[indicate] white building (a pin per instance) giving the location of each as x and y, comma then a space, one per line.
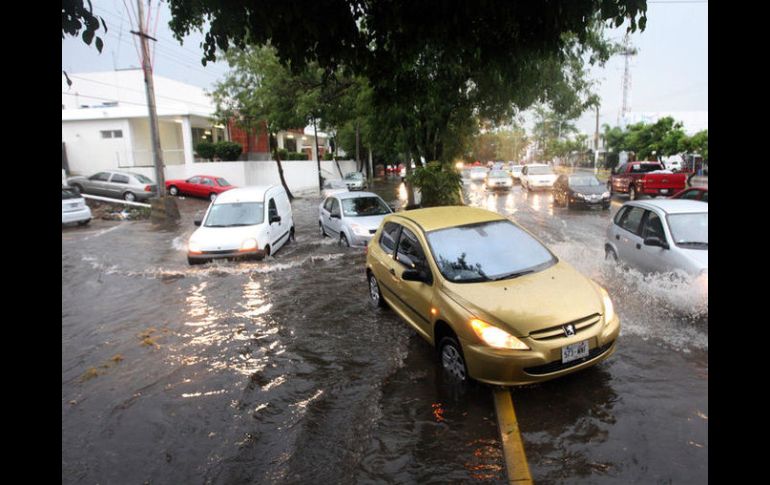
105, 121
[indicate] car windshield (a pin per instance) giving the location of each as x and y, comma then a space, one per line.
584, 181
539, 171
236, 214
478, 169
69, 194
516, 168
487, 251
142, 178
223, 183
498, 174
355, 176
335, 184
645, 167
364, 206
690, 230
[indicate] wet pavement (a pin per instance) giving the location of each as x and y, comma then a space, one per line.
281, 372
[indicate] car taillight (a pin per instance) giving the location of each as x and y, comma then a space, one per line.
148, 188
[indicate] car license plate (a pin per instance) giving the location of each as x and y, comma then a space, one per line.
72, 206
574, 351
664, 191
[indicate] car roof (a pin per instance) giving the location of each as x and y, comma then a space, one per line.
672, 206
434, 218
354, 195
244, 194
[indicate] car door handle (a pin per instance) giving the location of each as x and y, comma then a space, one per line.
617, 236
393, 271
638, 246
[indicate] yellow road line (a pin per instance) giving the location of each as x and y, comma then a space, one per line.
513, 448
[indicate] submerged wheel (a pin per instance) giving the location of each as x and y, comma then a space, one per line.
212, 197
344, 240
610, 255
173, 190
452, 359
632, 193
375, 297
321, 229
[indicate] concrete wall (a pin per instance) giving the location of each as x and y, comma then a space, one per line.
299, 175
88, 152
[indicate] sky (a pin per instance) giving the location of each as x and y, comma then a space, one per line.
669, 73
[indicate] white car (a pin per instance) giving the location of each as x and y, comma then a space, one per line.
499, 179
661, 236
73, 207
537, 176
478, 173
332, 187
245, 222
352, 217
515, 171
355, 181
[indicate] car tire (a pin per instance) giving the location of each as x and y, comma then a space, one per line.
611, 255
452, 358
375, 296
193, 262
84, 223
322, 230
129, 196
632, 193
173, 190
77, 188
292, 236
212, 197
344, 240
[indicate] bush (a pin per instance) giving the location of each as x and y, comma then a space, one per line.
206, 150
438, 184
228, 150
297, 156
283, 153
328, 156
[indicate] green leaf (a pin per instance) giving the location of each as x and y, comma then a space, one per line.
99, 44
88, 36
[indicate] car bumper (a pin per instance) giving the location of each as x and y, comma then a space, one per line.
666, 192
590, 203
540, 185
227, 254
145, 195
499, 187
356, 240
80, 215
504, 367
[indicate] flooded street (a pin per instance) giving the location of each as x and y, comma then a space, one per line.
280, 371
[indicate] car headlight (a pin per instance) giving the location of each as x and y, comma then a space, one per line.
193, 247
249, 245
605, 195
609, 309
359, 230
495, 337
580, 196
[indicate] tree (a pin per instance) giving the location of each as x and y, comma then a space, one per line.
74, 18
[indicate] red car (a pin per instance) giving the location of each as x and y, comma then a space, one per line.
693, 193
199, 186
648, 178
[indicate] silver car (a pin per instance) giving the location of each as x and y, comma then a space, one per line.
499, 180
117, 185
661, 236
352, 218
355, 181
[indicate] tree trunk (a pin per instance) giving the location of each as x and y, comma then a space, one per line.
358, 151
280, 168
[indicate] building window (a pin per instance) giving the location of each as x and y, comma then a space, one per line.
290, 144
112, 134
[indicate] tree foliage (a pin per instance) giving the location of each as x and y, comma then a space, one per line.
438, 183
652, 141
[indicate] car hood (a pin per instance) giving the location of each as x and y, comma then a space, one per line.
369, 222
223, 238
555, 296
589, 189
697, 259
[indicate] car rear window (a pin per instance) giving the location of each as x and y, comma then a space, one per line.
69, 194
142, 178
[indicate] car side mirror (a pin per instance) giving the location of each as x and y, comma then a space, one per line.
275, 219
420, 275
198, 222
656, 242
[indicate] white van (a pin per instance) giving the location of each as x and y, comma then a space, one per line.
246, 222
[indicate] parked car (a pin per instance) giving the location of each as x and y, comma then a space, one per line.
355, 181
580, 189
251, 222
498, 180
494, 302
515, 171
660, 236
693, 193
537, 176
648, 178
352, 218
74, 208
478, 173
118, 185
332, 187
199, 186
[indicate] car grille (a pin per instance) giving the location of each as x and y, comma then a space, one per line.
557, 365
557, 331
226, 251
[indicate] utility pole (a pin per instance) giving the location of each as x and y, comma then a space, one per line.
596, 141
317, 158
157, 155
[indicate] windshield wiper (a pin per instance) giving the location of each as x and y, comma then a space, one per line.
515, 274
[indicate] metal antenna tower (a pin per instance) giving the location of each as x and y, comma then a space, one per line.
627, 52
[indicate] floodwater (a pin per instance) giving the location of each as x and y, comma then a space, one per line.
281, 372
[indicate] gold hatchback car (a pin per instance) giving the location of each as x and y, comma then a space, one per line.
498, 306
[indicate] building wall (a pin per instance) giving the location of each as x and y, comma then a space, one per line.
88, 152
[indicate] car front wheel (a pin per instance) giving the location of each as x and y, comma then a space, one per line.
375, 297
344, 240
632, 193
173, 191
611, 255
452, 359
212, 197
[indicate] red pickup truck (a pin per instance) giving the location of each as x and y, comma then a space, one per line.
648, 178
